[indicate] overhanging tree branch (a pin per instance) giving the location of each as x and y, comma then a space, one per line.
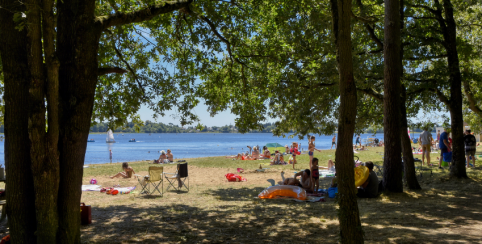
110, 70
141, 15
372, 93
441, 96
470, 97
216, 33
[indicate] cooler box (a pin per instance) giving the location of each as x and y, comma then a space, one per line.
85, 214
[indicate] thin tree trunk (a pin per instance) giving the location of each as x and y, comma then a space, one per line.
13, 51
392, 165
44, 167
455, 78
350, 224
409, 164
77, 37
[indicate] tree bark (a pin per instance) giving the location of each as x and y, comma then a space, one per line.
450, 35
45, 166
78, 36
392, 165
409, 164
21, 200
350, 224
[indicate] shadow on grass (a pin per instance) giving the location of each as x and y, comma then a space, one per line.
236, 216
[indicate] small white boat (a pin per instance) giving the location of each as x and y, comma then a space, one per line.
110, 137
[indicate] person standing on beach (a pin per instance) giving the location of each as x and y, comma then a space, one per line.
110, 155
311, 149
358, 140
470, 147
426, 139
444, 146
333, 142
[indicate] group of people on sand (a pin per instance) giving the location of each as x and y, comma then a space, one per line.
165, 158
255, 154
309, 179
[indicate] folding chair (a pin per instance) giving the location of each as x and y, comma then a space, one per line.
154, 179
180, 176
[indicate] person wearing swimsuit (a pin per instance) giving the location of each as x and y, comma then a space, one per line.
315, 175
311, 148
128, 171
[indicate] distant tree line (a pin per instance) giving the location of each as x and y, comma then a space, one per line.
152, 127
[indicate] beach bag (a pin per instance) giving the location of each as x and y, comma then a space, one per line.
234, 177
85, 214
332, 192
447, 157
93, 181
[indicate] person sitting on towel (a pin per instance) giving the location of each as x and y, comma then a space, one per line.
369, 189
128, 171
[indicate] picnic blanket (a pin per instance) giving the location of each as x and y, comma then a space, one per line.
308, 199
326, 173
97, 188
91, 188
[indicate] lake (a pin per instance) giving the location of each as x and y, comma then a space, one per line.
184, 145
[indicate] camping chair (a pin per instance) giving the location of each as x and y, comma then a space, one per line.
180, 176
154, 179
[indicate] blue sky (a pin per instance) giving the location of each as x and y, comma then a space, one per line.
221, 119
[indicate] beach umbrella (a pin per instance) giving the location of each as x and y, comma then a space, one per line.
274, 145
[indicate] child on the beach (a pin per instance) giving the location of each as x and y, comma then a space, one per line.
294, 152
315, 175
128, 171
311, 147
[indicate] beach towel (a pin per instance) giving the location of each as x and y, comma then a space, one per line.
326, 173
308, 199
91, 188
234, 177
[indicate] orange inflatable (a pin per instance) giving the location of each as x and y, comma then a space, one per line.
283, 191
361, 175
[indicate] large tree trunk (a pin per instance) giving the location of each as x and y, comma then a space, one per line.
392, 165
350, 224
455, 78
21, 196
77, 37
409, 164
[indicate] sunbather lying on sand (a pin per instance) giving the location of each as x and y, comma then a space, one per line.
305, 182
331, 166
239, 156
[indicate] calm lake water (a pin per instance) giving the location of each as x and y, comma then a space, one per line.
184, 145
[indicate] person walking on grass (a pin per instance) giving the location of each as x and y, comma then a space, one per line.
333, 142
426, 139
470, 147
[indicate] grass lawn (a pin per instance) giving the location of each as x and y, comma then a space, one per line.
217, 211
